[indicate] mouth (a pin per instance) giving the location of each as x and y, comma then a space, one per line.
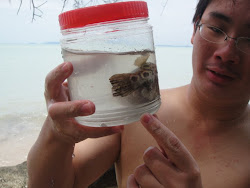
219, 77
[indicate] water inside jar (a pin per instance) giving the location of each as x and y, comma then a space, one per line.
123, 86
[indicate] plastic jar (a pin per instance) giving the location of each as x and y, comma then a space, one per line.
112, 51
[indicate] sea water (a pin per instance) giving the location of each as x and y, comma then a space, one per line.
92, 79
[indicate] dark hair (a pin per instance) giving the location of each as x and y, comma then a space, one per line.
200, 8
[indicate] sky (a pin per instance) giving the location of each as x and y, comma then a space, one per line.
172, 25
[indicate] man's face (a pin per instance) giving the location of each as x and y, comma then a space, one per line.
222, 70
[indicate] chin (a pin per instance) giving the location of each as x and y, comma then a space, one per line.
222, 93
212, 89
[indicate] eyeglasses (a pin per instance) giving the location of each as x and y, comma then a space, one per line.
215, 35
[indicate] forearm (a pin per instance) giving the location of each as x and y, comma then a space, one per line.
50, 161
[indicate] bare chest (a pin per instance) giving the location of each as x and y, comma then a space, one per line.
224, 171
228, 168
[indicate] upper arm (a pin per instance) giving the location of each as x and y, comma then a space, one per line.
93, 157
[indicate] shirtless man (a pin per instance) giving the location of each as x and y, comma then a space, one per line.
200, 137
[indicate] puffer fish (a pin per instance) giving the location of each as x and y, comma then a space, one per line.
142, 82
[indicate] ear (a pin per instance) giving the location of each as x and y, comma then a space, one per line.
194, 31
192, 38
196, 23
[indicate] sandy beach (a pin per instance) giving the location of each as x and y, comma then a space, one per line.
16, 177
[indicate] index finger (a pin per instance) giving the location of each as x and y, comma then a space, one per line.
55, 78
172, 146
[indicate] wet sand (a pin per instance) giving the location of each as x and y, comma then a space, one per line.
16, 177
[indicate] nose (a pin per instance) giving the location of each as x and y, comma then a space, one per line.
228, 52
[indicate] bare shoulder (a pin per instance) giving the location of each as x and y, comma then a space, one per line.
173, 111
174, 94
173, 99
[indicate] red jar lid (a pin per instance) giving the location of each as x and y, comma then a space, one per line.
103, 13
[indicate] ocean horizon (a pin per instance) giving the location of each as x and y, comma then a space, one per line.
58, 43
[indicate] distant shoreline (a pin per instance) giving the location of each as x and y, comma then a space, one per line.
31, 43
58, 43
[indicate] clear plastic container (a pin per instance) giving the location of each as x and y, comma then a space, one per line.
112, 51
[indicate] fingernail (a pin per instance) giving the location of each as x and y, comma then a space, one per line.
146, 118
149, 148
150, 122
87, 108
